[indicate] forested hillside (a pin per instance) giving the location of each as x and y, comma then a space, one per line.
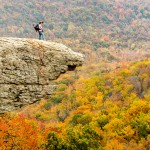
91, 19
103, 105
104, 112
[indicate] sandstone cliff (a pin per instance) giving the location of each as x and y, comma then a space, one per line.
27, 68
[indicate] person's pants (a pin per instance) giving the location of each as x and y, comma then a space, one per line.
41, 35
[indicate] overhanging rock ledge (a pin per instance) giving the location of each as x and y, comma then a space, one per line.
27, 68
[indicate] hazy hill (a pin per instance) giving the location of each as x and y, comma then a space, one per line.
86, 20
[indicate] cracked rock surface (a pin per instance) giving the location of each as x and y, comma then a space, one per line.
27, 68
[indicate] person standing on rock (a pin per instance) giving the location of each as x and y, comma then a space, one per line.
41, 32
39, 28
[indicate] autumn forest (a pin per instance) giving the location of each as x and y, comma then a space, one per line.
102, 105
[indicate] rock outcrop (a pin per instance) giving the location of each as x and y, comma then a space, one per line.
27, 68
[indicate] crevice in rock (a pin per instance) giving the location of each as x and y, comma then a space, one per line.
71, 67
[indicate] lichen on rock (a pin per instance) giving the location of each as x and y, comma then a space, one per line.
27, 68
